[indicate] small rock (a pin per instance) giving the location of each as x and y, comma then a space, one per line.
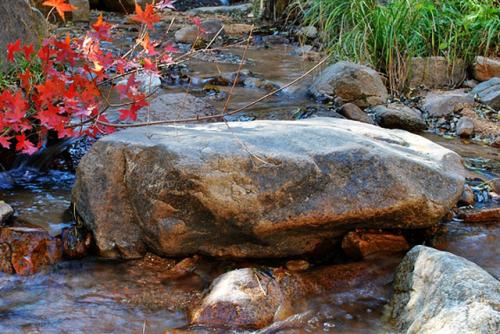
495, 185
31, 248
436, 72
439, 104
5, 259
209, 29
399, 116
470, 83
302, 50
6, 212
496, 142
488, 92
465, 127
361, 244
438, 292
467, 197
236, 10
352, 111
486, 68
491, 215
297, 265
76, 242
351, 82
308, 32
183, 268
243, 298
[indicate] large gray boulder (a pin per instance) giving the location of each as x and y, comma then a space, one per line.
18, 20
438, 292
352, 83
445, 103
259, 189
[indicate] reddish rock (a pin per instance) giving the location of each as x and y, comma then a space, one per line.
5, 257
76, 242
486, 68
31, 248
360, 244
491, 215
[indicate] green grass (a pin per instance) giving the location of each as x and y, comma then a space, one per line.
387, 35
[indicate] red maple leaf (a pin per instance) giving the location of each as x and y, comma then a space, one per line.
146, 16
102, 29
5, 142
24, 145
12, 48
148, 46
28, 51
61, 6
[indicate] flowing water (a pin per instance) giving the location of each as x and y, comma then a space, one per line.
96, 296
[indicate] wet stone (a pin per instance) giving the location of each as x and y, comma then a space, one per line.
76, 242
6, 212
297, 265
31, 249
5, 259
361, 244
490, 215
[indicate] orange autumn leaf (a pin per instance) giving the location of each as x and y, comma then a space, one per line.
146, 16
61, 6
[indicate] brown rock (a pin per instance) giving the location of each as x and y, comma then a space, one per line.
361, 244
183, 190
5, 259
491, 215
238, 28
31, 248
352, 111
436, 72
209, 30
465, 127
399, 116
183, 268
467, 197
243, 298
486, 68
351, 82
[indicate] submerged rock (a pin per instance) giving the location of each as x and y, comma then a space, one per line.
259, 189
206, 32
488, 92
171, 106
244, 298
438, 292
350, 82
436, 72
399, 116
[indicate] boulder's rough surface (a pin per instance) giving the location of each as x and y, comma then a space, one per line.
437, 292
19, 21
399, 116
353, 112
242, 298
486, 68
350, 82
439, 103
171, 106
259, 189
488, 92
6, 212
436, 72
30, 249
82, 11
